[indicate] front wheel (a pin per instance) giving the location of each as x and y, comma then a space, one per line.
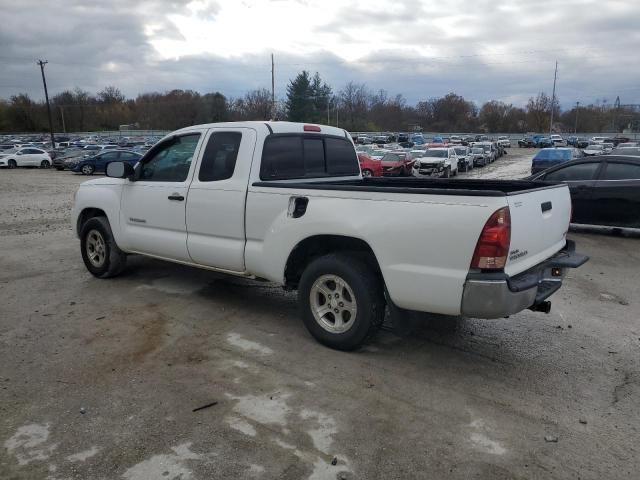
447, 173
87, 169
341, 301
100, 253
367, 173
12, 164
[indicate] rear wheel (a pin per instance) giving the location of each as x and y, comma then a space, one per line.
341, 301
12, 164
100, 253
45, 164
88, 169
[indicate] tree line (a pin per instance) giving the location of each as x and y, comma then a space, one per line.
308, 99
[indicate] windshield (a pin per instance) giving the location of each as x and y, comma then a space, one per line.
461, 151
477, 150
436, 153
391, 157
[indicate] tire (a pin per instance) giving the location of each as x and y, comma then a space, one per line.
367, 173
455, 174
361, 284
60, 169
12, 164
88, 169
45, 164
96, 236
447, 173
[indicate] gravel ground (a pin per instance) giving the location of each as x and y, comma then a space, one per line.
99, 379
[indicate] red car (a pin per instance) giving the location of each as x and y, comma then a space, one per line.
369, 166
397, 164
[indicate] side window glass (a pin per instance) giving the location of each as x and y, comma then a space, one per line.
109, 157
220, 155
341, 157
282, 158
172, 162
621, 171
581, 171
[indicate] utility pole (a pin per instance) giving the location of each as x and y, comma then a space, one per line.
64, 128
553, 98
273, 90
575, 129
42, 63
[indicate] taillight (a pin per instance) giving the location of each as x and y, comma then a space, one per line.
492, 248
311, 128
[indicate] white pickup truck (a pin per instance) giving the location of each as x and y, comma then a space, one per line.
286, 202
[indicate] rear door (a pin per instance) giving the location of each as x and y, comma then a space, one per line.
539, 224
616, 195
216, 199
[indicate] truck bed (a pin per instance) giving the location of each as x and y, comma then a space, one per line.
426, 186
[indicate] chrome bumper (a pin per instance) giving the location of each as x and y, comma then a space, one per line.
496, 295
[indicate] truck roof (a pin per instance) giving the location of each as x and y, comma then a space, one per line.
273, 126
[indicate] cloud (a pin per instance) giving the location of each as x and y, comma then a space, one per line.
483, 49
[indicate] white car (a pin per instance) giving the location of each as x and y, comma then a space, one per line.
608, 147
437, 162
504, 141
594, 149
25, 157
557, 140
286, 202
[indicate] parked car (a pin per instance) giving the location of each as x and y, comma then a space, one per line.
605, 190
578, 142
557, 140
504, 141
489, 149
628, 145
594, 149
25, 157
526, 142
465, 160
549, 157
480, 156
437, 162
608, 147
396, 164
245, 199
369, 166
97, 163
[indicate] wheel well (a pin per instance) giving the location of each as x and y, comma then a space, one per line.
313, 247
86, 214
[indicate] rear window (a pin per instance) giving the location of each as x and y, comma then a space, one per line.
300, 156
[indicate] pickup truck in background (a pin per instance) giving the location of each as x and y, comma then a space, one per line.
287, 203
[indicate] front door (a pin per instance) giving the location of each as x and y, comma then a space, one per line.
216, 203
152, 213
580, 178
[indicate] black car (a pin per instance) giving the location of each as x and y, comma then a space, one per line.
605, 190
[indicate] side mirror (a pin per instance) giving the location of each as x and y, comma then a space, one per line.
119, 170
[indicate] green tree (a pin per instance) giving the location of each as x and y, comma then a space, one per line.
299, 102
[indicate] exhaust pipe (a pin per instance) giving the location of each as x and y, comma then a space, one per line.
544, 307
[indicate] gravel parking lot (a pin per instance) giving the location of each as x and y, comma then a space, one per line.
102, 379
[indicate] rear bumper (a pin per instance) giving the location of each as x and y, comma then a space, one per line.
496, 295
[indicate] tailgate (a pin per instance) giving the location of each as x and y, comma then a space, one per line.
539, 224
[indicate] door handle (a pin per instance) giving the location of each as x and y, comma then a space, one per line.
176, 196
297, 207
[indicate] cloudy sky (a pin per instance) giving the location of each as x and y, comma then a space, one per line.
481, 49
